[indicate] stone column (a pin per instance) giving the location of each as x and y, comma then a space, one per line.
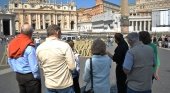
68, 21
136, 25
149, 25
132, 26
29, 18
144, 25
54, 19
43, 20
1, 27
36, 22
75, 20
50, 19
124, 16
16, 26
39, 22
21, 20
62, 21
11, 30
140, 25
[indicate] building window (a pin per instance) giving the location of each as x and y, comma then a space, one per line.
16, 5
59, 17
58, 7
72, 25
59, 24
46, 25
130, 23
32, 5
41, 26
33, 25
71, 7
65, 24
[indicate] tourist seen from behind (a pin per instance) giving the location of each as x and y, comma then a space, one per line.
118, 57
75, 72
138, 65
145, 37
101, 64
22, 59
56, 60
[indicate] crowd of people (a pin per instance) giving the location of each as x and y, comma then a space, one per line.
161, 41
136, 57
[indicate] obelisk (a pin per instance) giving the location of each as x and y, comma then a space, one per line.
124, 17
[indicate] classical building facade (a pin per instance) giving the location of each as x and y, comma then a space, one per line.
42, 13
161, 20
141, 14
106, 22
102, 6
7, 24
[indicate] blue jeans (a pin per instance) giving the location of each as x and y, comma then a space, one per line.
133, 91
65, 90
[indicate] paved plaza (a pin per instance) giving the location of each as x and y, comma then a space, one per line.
8, 83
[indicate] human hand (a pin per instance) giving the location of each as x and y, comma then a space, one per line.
156, 76
109, 54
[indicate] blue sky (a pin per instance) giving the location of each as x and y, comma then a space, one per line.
89, 3
80, 3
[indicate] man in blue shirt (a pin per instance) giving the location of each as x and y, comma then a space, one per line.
138, 65
22, 59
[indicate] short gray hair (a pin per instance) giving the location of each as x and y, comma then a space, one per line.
27, 29
98, 47
134, 36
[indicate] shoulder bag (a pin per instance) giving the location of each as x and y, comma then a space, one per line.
91, 77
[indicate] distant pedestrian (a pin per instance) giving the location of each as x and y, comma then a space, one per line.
145, 37
138, 65
37, 41
57, 61
166, 41
108, 41
1, 40
118, 57
160, 41
75, 72
155, 40
101, 64
22, 59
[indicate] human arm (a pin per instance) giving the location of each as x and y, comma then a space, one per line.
86, 74
119, 53
109, 54
156, 62
128, 63
156, 74
32, 60
70, 59
77, 58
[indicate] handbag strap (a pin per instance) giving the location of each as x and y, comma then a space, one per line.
91, 73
